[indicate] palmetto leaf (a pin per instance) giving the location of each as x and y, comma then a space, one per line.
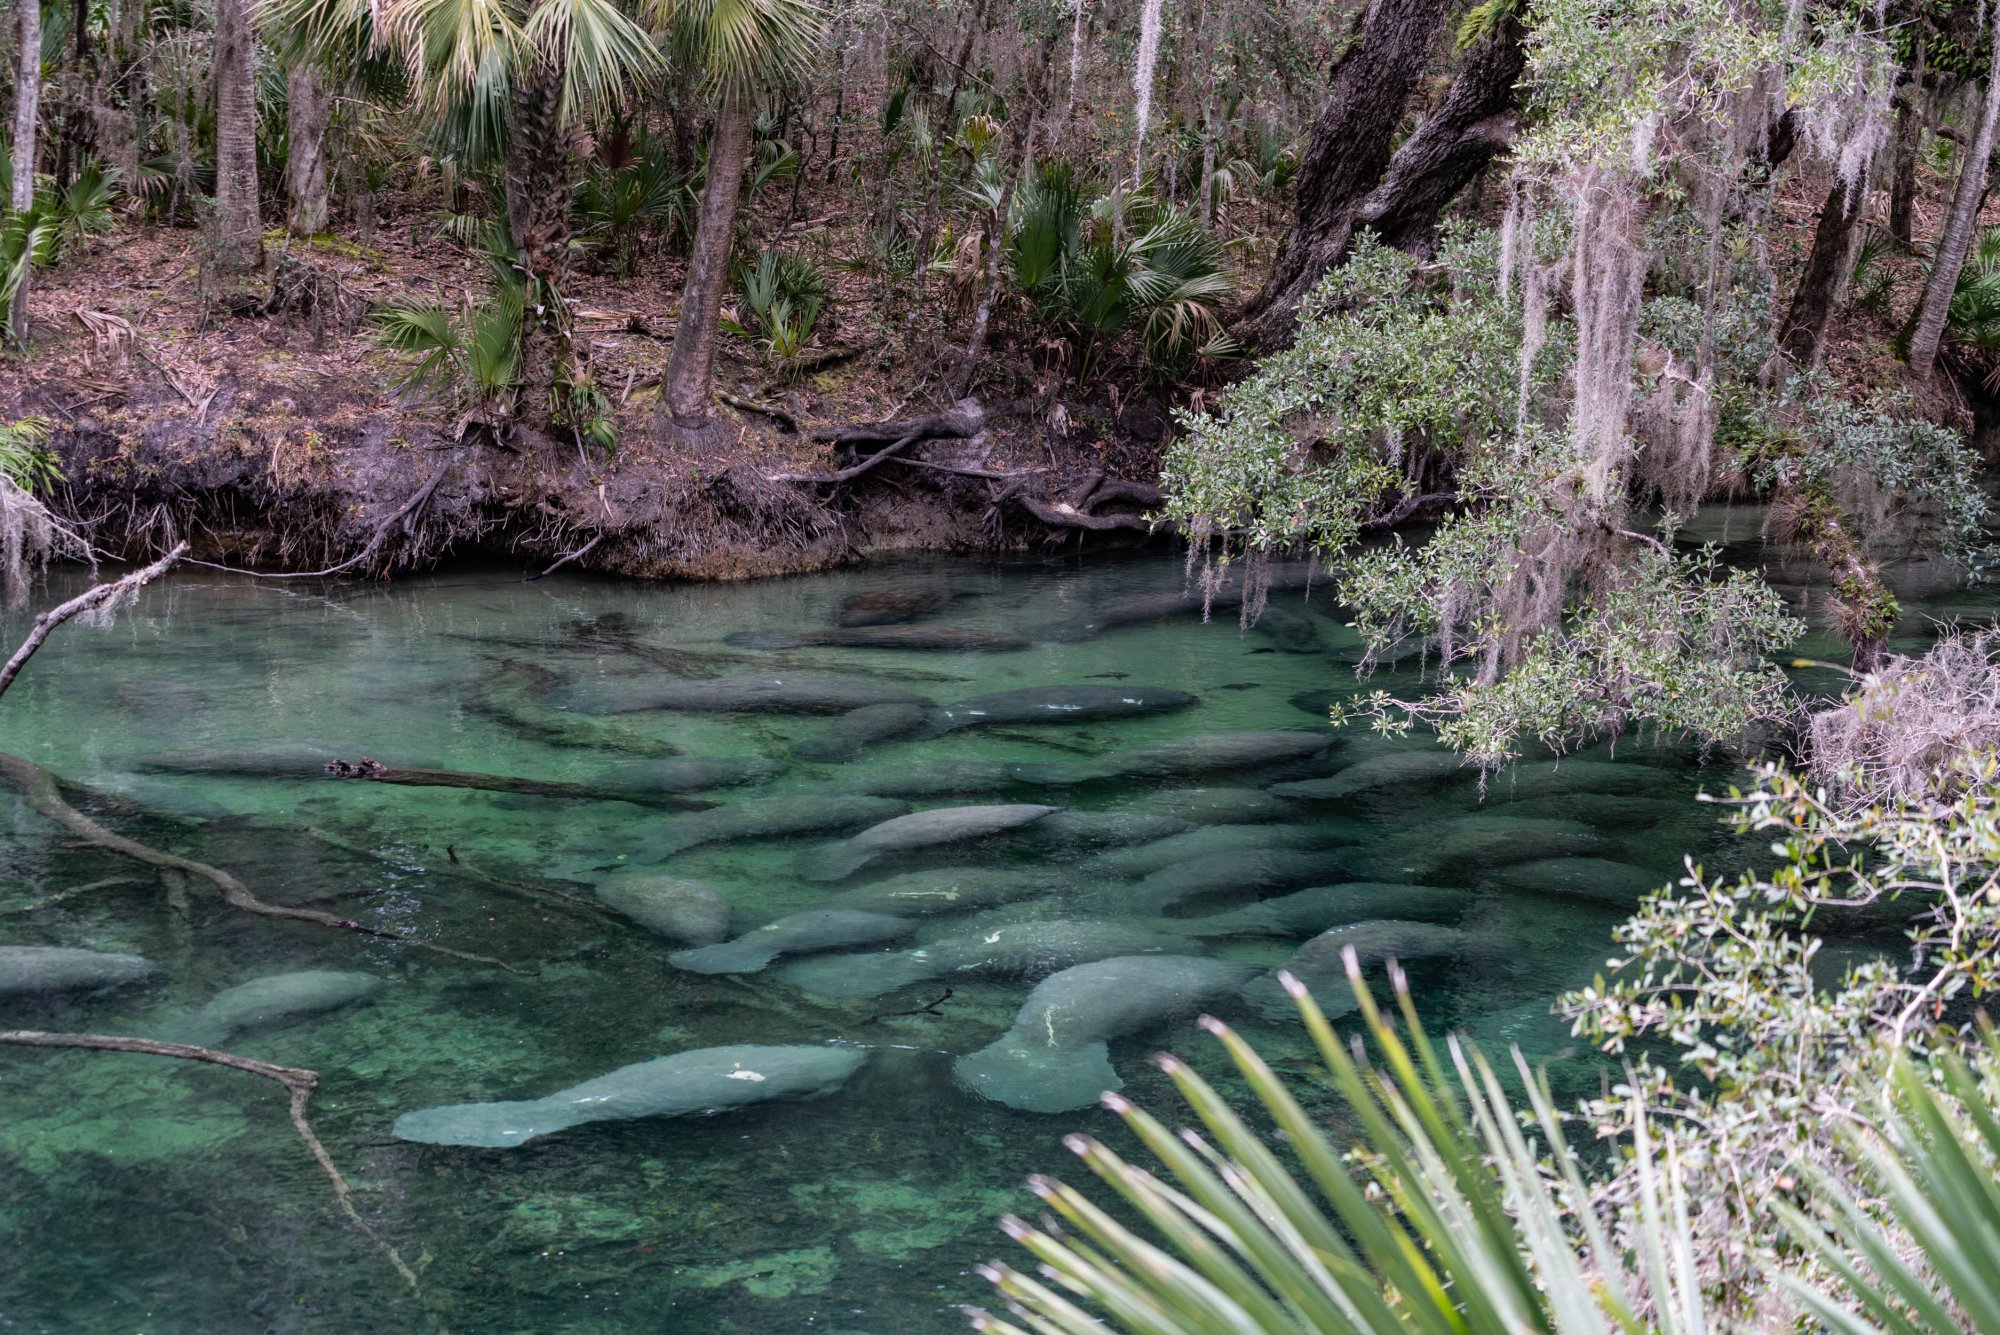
604, 52
740, 45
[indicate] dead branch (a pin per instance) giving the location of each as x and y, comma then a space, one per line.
1409, 506
88, 601
507, 783
1061, 514
770, 410
845, 474
39, 787
967, 417
579, 552
299, 1085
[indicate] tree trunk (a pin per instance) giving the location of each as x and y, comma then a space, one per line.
1352, 144
1926, 328
239, 229
538, 191
1823, 287
1909, 139
691, 365
27, 114
987, 280
309, 111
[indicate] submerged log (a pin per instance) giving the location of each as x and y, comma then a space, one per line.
507, 783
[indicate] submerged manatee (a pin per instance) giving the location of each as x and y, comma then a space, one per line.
681, 910
794, 934
691, 774
886, 607
1619, 884
1133, 608
923, 829
1318, 963
1474, 842
1060, 704
920, 894
924, 638
772, 818
956, 778
1102, 829
1218, 806
1057, 1055
262, 1002
1011, 950
1309, 912
1177, 849
1396, 770
1290, 632
704, 1081
25, 969
1198, 753
732, 695
850, 734
1227, 873
1556, 777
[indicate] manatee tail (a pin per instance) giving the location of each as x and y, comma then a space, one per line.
832, 862
1036, 1077
743, 955
491, 1126
856, 975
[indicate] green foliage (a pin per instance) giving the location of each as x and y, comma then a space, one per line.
464, 358
618, 208
25, 457
84, 209
1453, 1224
781, 298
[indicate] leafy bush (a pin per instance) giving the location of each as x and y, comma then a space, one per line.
464, 358
780, 299
618, 207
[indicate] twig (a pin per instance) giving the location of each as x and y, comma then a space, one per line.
770, 410
299, 1084
74, 892
579, 552
881, 456
89, 600
928, 1008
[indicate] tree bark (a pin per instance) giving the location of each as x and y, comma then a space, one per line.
27, 120
309, 112
239, 228
691, 365
1351, 178
1823, 287
1926, 328
538, 192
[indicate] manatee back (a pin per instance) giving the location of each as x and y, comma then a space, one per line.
1109, 998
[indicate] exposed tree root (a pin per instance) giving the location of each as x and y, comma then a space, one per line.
299, 1084
39, 787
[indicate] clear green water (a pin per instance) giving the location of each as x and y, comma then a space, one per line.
138, 1194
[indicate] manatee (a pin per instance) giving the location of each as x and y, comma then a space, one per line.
805, 933
924, 638
25, 969
959, 778
1197, 753
1249, 870
1133, 608
1619, 884
1395, 770
1030, 950
732, 695
781, 817
1290, 632
1101, 829
886, 607
707, 1080
1060, 704
1604, 810
1319, 966
687, 911
1309, 912
263, 1002
691, 774
851, 733
1218, 806
1554, 778
923, 829
920, 894
1181, 848
1483, 840
1057, 1056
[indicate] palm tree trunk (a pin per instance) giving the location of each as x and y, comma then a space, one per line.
239, 228
538, 191
1926, 328
27, 117
691, 366
309, 111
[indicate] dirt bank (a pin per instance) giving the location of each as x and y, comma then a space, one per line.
263, 426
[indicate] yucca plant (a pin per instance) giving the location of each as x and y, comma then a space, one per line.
1445, 1217
1922, 1255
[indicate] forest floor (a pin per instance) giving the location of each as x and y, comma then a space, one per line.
271, 433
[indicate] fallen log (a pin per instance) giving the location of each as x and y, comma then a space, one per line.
507, 783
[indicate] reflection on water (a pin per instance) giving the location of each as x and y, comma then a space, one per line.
1198, 826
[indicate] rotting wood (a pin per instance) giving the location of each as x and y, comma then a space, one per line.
507, 783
